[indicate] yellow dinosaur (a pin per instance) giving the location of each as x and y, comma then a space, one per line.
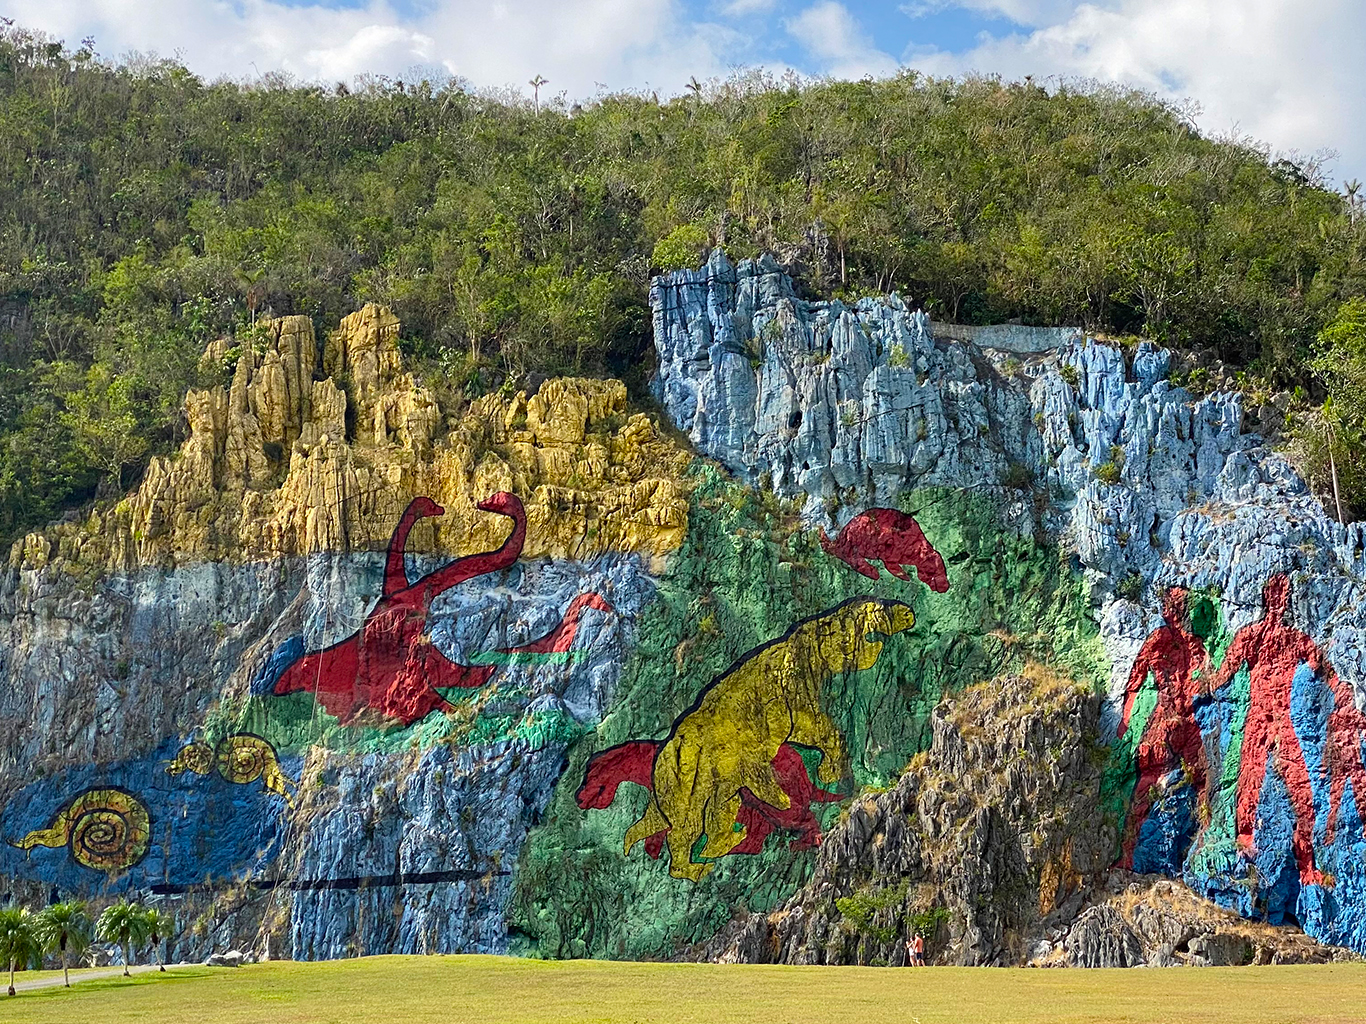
727, 740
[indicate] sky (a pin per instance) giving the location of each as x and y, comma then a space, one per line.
1285, 72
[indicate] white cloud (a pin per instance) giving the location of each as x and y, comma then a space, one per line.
839, 46
577, 44
1021, 12
1284, 71
743, 8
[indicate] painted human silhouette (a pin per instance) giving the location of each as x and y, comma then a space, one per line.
1273, 651
391, 665
1177, 660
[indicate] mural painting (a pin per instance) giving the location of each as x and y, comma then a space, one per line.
240, 758
1176, 660
728, 773
390, 666
1291, 728
106, 829
895, 539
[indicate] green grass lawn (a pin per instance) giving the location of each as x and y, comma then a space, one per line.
497, 990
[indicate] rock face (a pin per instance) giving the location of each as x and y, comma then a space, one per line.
141, 752
983, 841
1231, 607
301, 456
995, 634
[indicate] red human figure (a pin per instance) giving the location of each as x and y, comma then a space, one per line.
895, 539
1273, 651
390, 666
634, 762
1176, 657
1342, 755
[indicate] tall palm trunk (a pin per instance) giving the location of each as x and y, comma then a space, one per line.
127, 958
66, 976
11, 977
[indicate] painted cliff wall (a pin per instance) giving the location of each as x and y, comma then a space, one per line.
260, 693
921, 634
1230, 608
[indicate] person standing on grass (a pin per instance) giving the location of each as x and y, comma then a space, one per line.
918, 950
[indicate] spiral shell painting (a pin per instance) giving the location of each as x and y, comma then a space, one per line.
240, 758
107, 829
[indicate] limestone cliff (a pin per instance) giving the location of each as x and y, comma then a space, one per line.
1231, 608
304, 454
962, 630
135, 638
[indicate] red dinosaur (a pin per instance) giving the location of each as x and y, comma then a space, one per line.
634, 762
893, 538
391, 665
1273, 651
1176, 657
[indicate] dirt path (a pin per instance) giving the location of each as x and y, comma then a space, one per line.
76, 977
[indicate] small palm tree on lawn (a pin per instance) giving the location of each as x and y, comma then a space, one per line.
65, 929
158, 925
124, 924
18, 940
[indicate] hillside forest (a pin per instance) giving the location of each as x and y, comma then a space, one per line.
144, 211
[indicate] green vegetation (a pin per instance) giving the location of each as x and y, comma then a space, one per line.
1334, 436
19, 942
861, 908
126, 925
145, 211
494, 990
64, 929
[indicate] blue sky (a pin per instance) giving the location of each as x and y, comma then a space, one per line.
1284, 72
893, 27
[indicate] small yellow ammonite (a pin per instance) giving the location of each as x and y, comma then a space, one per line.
240, 758
107, 829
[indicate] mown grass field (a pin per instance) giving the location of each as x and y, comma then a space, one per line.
497, 990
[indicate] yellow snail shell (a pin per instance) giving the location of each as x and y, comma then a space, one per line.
245, 757
195, 757
106, 829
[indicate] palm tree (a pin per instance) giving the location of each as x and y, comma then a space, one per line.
124, 924
18, 940
157, 925
64, 927
536, 84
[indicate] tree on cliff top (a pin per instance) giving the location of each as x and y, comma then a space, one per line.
510, 240
1334, 435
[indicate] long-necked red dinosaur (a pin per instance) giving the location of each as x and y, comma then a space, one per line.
391, 665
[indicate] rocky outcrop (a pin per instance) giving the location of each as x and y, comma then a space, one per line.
992, 832
300, 455
1148, 921
1164, 498
994, 845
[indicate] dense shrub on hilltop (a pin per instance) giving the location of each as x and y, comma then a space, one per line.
143, 210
